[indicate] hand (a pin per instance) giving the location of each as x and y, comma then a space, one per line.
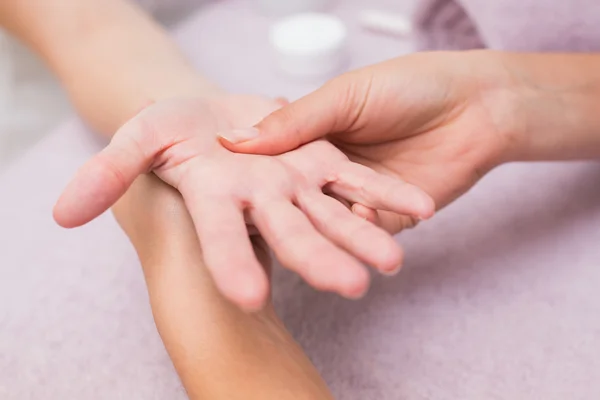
439, 121
308, 231
211, 358
158, 224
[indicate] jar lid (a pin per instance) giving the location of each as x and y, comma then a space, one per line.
310, 44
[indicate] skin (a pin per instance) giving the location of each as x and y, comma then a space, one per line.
243, 356
81, 42
283, 197
441, 121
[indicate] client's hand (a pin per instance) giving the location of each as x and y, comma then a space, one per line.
219, 351
439, 121
283, 196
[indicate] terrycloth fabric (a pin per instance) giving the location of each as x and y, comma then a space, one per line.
522, 25
498, 301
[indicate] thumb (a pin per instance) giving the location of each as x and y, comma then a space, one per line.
331, 109
108, 175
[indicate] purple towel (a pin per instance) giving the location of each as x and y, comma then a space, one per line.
520, 25
498, 299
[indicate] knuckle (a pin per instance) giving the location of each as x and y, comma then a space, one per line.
142, 136
410, 222
403, 222
351, 92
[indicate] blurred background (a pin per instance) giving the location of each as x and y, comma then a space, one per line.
32, 101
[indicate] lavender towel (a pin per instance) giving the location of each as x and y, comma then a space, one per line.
522, 25
499, 299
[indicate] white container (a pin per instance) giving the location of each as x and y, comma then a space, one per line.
310, 45
385, 22
283, 7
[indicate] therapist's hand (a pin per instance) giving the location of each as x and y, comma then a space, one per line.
283, 197
439, 121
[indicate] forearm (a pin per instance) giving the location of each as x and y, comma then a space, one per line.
556, 98
111, 57
219, 351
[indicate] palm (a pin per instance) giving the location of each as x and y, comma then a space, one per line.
189, 122
283, 196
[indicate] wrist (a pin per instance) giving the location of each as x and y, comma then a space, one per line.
554, 102
490, 93
156, 220
117, 63
155, 72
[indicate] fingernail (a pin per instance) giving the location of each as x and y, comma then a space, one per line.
282, 101
392, 272
239, 135
424, 217
357, 292
358, 295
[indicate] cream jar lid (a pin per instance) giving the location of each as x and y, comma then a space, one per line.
310, 44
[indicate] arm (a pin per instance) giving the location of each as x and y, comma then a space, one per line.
556, 98
113, 60
541, 106
111, 57
442, 120
219, 351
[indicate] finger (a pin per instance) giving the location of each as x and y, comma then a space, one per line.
395, 223
388, 221
252, 231
360, 184
227, 250
332, 108
359, 237
108, 175
342, 201
282, 101
363, 212
366, 213
301, 248
263, 255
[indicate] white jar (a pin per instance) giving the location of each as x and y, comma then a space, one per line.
283, 7
310, 45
